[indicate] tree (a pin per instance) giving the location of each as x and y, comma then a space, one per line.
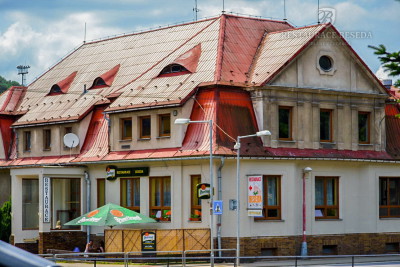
4, 84
5, 221
389, 60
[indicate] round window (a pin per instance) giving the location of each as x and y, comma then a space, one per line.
325, 63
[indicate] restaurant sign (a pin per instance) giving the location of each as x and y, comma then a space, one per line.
113, 172
46, 199
254, 194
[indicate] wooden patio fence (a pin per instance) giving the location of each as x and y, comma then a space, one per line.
129, 240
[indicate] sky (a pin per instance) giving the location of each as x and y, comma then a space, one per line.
39, 33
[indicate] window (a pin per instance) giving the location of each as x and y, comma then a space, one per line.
55, 90
195, 203
98, 83
126, 129
173, 68
363, 128
46, 139
101, 192
66, 201
130, 193
326, 197
272, 198
30, 204
27, 141
145, 127
389, 197
285, 123
164, 124
325, 125
160, 198
325, 63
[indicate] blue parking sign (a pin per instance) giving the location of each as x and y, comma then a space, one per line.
217, 207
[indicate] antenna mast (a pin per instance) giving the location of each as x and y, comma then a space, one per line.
223, 6
284, 10
84, 37
318, 13
195, 9
23, 70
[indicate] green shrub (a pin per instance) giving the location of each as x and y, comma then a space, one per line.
5, 221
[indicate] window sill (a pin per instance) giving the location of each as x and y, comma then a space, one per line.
267, 220
125, 140
63, 230
287, 141
144, 139
389, 218
163, 137
327, 219
327, 143
30, 229
365, 144
46, 149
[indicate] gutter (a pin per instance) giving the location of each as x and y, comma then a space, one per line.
42, 124
88, 195
141, 108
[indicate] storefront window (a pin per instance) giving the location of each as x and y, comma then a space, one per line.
66, 202
160, 198
30, 204
130, 194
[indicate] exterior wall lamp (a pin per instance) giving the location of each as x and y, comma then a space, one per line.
237, 147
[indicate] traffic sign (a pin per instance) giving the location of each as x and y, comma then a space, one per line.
217, 207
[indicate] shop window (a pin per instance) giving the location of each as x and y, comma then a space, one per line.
101, 192
363, 127
66, 202
326, 197
27, 141
126, 128
325, 125
130, 193
145, 127
389, 197
30, 204
329, 250
47, 139
164, 125
160, 198
285, 123
272, 198
195, 203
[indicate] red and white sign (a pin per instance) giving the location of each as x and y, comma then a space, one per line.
255, 192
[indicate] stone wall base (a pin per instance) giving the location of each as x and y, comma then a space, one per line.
346, 244
30, 247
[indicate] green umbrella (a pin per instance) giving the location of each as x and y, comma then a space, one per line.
110, 215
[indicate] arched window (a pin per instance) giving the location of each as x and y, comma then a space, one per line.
98, 83
55, 90
172, 70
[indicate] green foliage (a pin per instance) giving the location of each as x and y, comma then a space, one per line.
389, 60
5, 221
4, 84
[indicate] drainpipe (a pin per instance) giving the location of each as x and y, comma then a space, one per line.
219, 219
109, 129
306, 170
87, 179
16, 143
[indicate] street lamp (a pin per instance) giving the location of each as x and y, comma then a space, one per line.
304, 242
181, 121
237, 147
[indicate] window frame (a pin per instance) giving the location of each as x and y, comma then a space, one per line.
23, 202
368, 127
290, 123
267, 207
123, 131
388, 206
193, 187
141, 127
330, 125
161, 131
162, 207
27, 141
46, 139
325, 206
132, 195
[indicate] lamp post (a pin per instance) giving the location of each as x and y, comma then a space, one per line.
237, 147
210, 123
306, 170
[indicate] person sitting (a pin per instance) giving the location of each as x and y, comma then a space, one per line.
90, 247
100, 249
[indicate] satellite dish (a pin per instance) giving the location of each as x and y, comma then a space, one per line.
71, 140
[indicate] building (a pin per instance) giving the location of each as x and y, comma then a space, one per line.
120, 97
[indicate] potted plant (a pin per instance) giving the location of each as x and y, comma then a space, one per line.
195, 217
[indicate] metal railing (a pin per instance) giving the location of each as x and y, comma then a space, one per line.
182, 258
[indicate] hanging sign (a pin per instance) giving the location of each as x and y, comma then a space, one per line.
203, 191
110, 170
46, 199
254, 192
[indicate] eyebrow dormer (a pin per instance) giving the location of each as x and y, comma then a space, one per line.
62, 86
106, 79
184, 64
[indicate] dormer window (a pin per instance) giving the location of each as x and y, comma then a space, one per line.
62, 86
55, 89
98, 83
172, 70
